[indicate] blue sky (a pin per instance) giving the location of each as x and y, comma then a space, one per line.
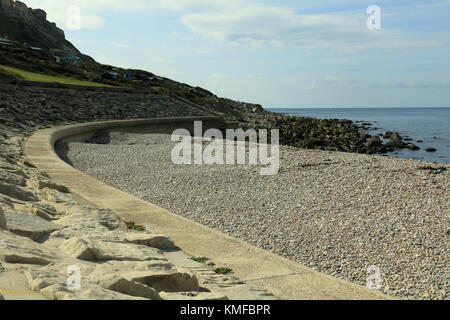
280, 53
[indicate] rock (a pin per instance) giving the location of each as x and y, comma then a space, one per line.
103, 251
27, 225
44, 211
60, 292
79, 249
396, 141
29, 25
55, 196
412, 146
156, 241
17, 249
83, 217
167, 282
12, 178
430, 149
2, 220
17, 192
374, 141
131, 288
40, 182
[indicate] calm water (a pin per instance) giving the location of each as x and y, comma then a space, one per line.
431, 125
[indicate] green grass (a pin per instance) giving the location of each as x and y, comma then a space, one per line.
38, 77
223, 270
200, 259
133, 226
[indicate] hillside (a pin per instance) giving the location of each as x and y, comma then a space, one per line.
34, 49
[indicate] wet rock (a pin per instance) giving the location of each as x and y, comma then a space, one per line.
430, 149
412, 146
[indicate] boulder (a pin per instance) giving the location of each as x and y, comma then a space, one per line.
128, 287
151, 240
165, 281
79, 249
430, 149
374, 141
17, 249
12, 178
104, 250
412, 146
29, 225
44, 211
83, 217
16, 192
40, 182
60, 292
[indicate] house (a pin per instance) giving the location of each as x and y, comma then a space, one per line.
128, 75
110, 76
71, 58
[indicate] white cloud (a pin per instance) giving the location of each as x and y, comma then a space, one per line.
258, 25
246, 22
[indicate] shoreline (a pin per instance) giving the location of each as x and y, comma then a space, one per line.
378, 121
379, 203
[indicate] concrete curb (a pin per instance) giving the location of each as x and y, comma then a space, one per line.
282, 277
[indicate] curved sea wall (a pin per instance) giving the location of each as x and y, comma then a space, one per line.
65, 235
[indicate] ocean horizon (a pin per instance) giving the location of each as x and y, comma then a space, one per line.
427, 127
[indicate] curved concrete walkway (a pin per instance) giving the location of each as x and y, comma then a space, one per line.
282, 277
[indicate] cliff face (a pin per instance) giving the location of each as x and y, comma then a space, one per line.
27, 25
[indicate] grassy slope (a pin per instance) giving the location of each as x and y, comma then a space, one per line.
32, 76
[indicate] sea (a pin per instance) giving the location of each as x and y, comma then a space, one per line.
428, 127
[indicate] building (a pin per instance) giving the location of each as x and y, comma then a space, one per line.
128, 75
110, 76
71, 58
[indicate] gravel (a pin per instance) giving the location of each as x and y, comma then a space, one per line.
338, 213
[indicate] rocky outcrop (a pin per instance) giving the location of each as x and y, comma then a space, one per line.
27, 25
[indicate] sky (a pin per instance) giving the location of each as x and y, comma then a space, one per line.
278, 53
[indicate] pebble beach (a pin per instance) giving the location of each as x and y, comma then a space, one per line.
343, 214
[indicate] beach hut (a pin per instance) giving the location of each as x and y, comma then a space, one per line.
71, 58
128, 75
110, 76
